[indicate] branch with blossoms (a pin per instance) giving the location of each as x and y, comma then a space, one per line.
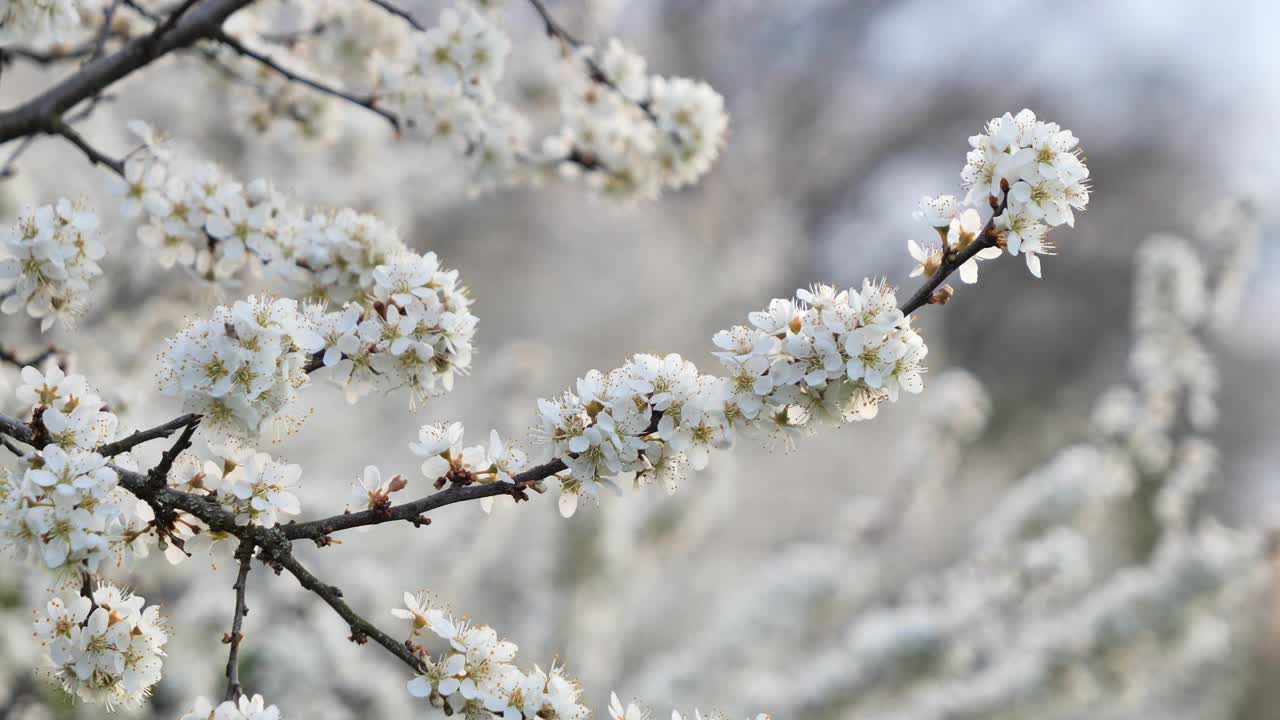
401, 321
629, 134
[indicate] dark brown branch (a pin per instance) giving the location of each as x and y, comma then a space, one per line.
100, 45
394, 10
244, 553
16, 429
32, 116
8, 356
412, 511
369, 102
7, 170
159, 475
289, 39
361, 630
58, 126
173, 18
45, 57
554, 29
126, 444
952, 261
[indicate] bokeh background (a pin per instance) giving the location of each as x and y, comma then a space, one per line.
843, 115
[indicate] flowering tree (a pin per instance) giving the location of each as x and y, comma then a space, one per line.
338, 295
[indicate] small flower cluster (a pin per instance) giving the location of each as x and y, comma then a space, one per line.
47, 260
64, 504
105, 649
1031, 171
631, 133
241, 368
246, 708
25, 20
826, 355
447, 461
475, 675
256, 488
447, 76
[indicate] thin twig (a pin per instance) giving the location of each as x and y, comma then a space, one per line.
159, 475
172, 19
289, 39
58, 126
33, 115
361, 629
369, 102
126, 444
100, 44
394, 10
11, 358
244, 553
952, 261
554, 29
7, 170
412, 511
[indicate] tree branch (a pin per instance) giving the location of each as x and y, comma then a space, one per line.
32, 116
554, 29
16, 429
244, 553
126, 444
394, 10
11, 358
361, 630
369, 103
100, 44
57, 126
952, 261
412, 511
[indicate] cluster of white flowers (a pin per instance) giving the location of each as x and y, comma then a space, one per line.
629, 133
40, 20
241, 368
633, 134
245, 708
105, 649
404, 321
253, 486
445, 78
447, 460
63, 503
475, 675
1031, 171
825, 355
47, 260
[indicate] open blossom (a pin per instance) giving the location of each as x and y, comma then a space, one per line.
244, 708
447, 459
260, 489
476, 674
241, 368
372, 492
105, 649
47, 261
